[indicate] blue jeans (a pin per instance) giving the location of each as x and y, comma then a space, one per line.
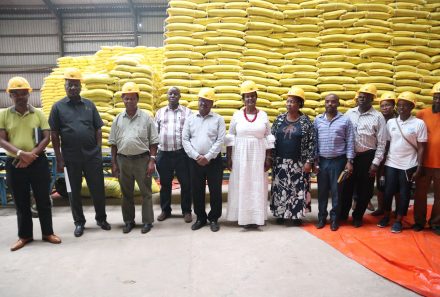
396, 180
329, 171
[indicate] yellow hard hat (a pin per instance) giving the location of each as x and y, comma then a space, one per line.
72, 73
248, 86
436, 88
207, 93
368, 88
388, 96
296, 91
130, 87
408, 96
18, 83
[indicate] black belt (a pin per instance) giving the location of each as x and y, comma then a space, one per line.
333, 158
366, 152
133, 157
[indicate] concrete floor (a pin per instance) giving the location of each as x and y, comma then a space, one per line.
173, 260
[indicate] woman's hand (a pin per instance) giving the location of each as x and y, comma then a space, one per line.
267, 164
307, 167
229, 160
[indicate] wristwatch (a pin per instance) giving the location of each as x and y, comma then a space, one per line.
153, 157
350, 161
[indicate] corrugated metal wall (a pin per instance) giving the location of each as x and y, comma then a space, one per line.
30, 45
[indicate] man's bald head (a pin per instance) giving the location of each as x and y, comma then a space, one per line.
331, 104
173, 97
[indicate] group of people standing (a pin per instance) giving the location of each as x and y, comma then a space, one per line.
347, 152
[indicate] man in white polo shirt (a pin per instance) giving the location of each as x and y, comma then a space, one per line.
407, 136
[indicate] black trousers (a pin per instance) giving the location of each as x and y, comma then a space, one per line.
362, 182
94, 176
213, 174
21, 180
167, 163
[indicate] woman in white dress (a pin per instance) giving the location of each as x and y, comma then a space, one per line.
249, 145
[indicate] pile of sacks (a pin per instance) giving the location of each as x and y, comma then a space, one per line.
321, 46
103, 76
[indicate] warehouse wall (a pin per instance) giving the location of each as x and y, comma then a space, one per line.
30, 45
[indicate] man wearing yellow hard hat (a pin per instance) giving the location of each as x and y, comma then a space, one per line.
171, 158
24, 134
370, 140
407, 136
431, 167
76, 138
203, 136
134, 141
387, 104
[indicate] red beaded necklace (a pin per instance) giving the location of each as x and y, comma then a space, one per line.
247, 119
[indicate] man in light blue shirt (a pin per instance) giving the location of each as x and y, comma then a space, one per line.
203, 135
335, 152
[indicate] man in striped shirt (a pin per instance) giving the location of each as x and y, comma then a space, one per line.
370, 140
335, 152
172, 158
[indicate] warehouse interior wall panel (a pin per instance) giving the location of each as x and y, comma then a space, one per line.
98, 25
28, 27
30, 43
40, 44
28, 61
150, 40
92, 47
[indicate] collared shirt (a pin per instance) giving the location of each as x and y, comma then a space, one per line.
335, 137
20, 128
76, 122
403, 155
204, 135
369, 132
133, 136
169, 124
431, 156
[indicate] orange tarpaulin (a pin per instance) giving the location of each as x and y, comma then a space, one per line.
411, 259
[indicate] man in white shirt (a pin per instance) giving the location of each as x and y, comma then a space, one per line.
407, 136
203, 136
369, 131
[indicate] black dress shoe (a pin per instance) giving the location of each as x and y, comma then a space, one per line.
198, 224
321, 224
357, 223
334, 226
128, 227
104, 225
280, 221
146, 228
79, 230
214, 226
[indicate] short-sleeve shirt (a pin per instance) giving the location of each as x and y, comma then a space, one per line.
431, 156
20, 128
288, 140
76, 122
133, 136
401, 154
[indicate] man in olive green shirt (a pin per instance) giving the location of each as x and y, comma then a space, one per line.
134, 143
27, 166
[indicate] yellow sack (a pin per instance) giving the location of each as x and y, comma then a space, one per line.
228, 103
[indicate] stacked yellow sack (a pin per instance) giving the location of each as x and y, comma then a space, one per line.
263, 58
52, 90
97, 87
416, 41
113, 189
182, 63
